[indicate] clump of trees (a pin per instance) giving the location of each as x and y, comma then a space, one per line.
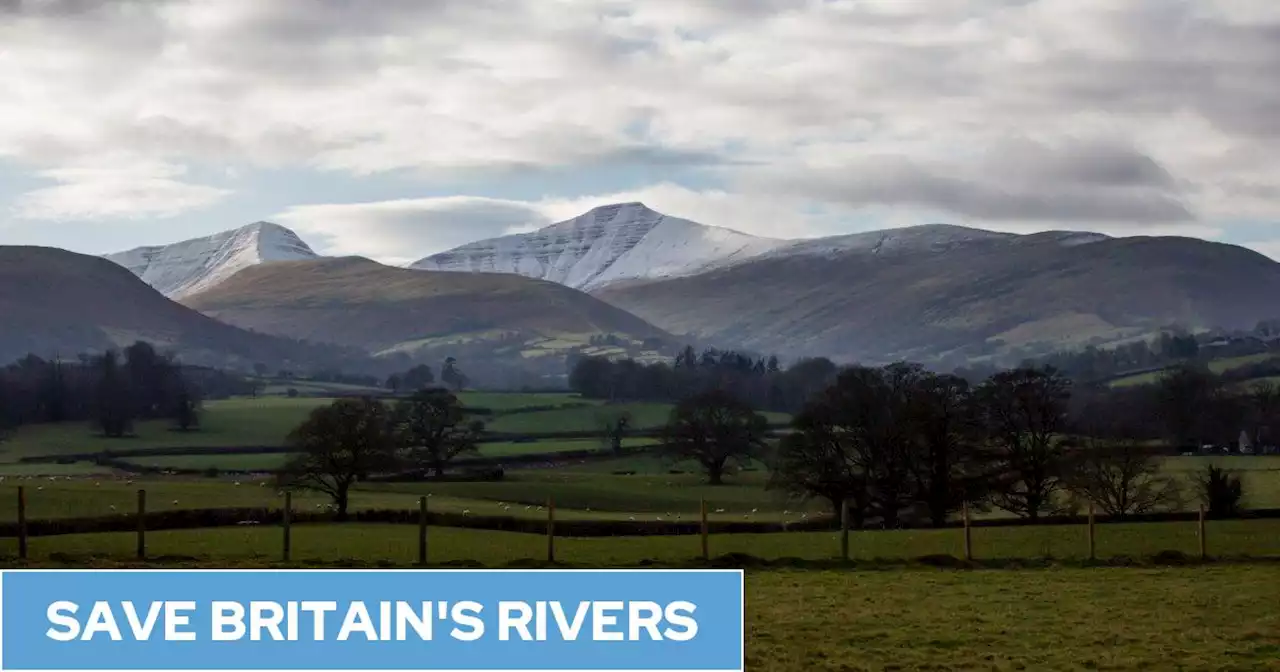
759, 381
901, 444
110, 390
350, 440
890, 443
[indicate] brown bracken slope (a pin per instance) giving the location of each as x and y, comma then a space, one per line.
357, 302
59, 303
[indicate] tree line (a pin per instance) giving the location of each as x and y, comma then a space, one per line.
760, 381
902, 444
110, 390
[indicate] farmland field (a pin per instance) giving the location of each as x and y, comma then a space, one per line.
639, 485
274, 461
1217, 366
266, 421
397, 544
643, 416
1119, 619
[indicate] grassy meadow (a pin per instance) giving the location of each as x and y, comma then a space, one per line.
804, 612
1119, 619
267, 421
1218, 366
638, 487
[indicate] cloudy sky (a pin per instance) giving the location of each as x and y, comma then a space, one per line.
398, 128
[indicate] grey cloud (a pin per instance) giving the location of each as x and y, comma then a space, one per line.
1018, 181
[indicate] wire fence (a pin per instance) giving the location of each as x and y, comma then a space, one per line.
424, 537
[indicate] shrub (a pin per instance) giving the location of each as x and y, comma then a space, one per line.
1221, 492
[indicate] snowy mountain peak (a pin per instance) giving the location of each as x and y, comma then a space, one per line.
609, 244
191, 266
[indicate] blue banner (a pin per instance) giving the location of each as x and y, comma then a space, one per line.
372, 620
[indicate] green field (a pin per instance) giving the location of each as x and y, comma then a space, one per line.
514, 401
266, 421
643, 416
274, 461
1211, 618
583, 494
397, 544
1117, 619
600, 485
1217, 366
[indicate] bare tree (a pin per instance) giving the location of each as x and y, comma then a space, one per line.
714, 428
339, 445
947, 475
433, 429
1024, 412
1122, 477
816, 460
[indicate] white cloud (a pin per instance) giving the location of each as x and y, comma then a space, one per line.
1149, 115
119, 190
395, 231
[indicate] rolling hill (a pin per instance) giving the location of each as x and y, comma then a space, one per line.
357, 302
55, 302
941, 292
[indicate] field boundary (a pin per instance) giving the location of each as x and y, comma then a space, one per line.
187, 519
746, 562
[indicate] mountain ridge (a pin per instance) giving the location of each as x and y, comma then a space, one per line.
611, 243
191, 266
57, 302
1000, 297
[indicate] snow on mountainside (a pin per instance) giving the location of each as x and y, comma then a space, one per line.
195, 265
607, 245
912, 239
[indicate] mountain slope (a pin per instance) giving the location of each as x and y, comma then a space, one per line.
607, 245
962, 296
357, 302
195, 265
55, 302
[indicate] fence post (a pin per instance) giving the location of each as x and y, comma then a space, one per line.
968, 535
706, 547
1204, 544
142, 524
1093, 555
22, 523
844, 530
422, 531
551, 531
286, 519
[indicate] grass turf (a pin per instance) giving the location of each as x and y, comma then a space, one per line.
266, 421
1119, 619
